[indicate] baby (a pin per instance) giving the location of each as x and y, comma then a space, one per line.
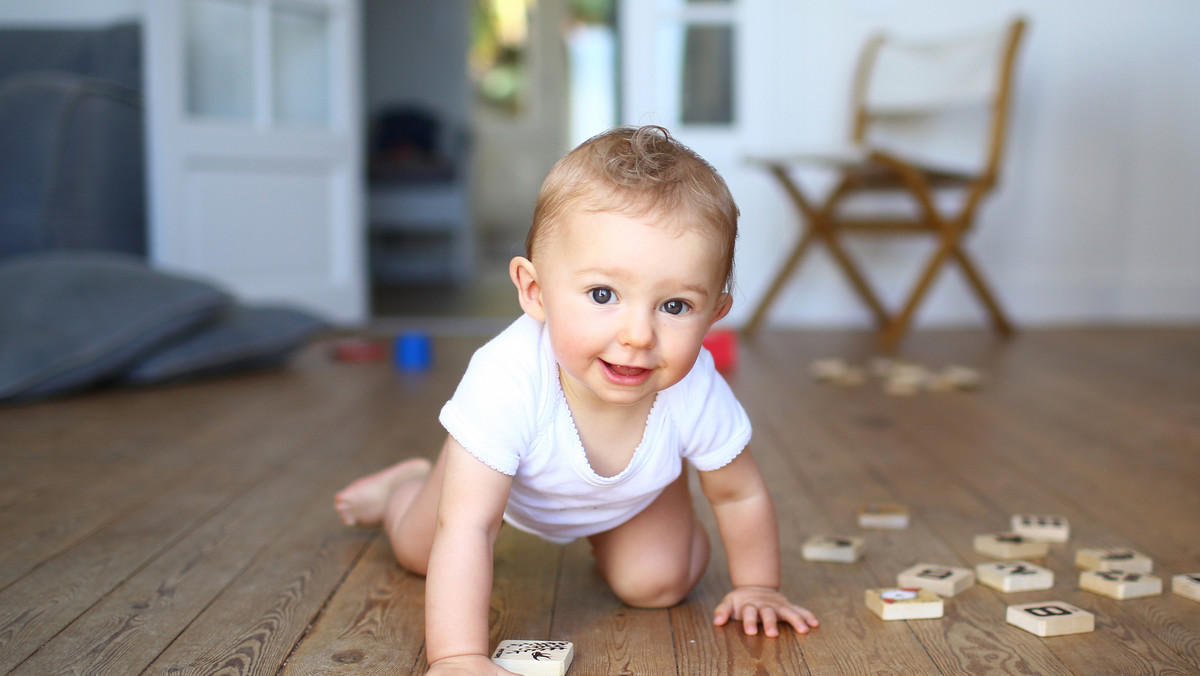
577, 419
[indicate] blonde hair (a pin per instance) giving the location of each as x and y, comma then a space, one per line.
636, 171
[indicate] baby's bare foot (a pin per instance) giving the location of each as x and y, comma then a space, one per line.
362, 502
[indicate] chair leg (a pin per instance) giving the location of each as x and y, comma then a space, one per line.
999, 321
857, 280
895, 331
760, 311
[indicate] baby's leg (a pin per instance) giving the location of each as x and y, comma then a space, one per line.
404, 498
363, 502
656, 558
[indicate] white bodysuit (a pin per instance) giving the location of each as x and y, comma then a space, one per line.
509, 412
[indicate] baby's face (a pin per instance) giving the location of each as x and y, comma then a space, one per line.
628, 300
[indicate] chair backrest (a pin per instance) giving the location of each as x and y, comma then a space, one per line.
940, 102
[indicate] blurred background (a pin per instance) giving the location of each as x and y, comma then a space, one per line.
379, 159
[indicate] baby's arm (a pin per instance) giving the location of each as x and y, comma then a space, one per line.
459, 582
746, 519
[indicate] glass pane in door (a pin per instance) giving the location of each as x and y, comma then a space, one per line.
300, 65
219, 59
708, 82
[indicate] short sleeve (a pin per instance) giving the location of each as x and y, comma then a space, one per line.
493, 412
713, 425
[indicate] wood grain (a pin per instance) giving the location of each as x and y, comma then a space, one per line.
188, 529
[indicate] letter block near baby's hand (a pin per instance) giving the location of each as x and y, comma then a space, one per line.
1044, 527
905, 604
1051, 618
1113, 558
833, 548
1119, 584
535, 658
1187, 586
1009, 546
942, 580
1014, 576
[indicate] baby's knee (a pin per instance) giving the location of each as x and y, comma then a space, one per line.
413, 563
652, 589
411, 552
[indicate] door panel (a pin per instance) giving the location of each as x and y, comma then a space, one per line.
255, 148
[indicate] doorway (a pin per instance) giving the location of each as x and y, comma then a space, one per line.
469, 103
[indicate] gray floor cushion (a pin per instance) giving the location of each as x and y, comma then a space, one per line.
72, 319
240, 338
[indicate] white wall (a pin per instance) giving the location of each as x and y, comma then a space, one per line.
1097, 218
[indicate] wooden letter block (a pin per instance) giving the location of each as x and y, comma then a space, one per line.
836, 549
1044, 527
1009, 546
535, 658
825, 370
1187, 586
942, 580
1113, 558
1014, 576
892, 517
905, 604
1119, 584
1051, 618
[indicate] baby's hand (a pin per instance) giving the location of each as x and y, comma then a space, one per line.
752, 605
466, 665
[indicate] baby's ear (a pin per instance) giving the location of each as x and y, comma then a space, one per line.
529, 291
724, 304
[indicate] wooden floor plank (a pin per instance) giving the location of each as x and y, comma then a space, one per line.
609, 637
373, 625
850, 640
1141, 649
844, 477
702, 648
187, 529
257, 620
172, 588
80, 575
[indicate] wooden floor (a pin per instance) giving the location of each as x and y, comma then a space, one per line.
188, 530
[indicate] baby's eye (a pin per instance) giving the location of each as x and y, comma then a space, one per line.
601, 295
676, 307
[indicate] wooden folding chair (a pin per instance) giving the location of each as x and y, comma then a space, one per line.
902, 92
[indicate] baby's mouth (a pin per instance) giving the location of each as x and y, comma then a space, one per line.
626, 371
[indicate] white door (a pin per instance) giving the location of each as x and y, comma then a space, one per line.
687, 65
255, 153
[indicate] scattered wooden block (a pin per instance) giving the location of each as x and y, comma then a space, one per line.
1010, 546
1187, 586
940, 383
1044, 527
850, 377
961, 377
905, 379
1051, 618
535, 658
905, 604
836, 549
887, 516
1119, 584
1113, 558
880, 367
941, 580
1014, 576
827, 369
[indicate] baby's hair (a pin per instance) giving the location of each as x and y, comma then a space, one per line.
636, 171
